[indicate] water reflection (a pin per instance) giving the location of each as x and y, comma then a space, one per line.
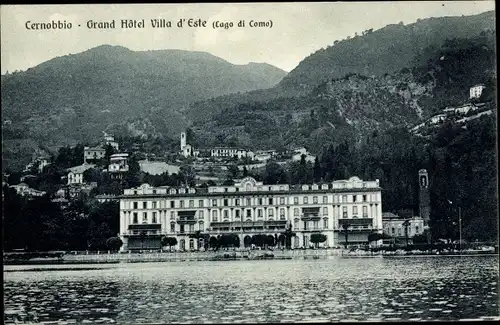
418, 288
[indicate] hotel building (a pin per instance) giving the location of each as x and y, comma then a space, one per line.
248, 208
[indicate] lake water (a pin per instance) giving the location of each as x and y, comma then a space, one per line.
334, 289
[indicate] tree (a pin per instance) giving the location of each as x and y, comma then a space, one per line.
114, 243
288, 233
316, 239
317, 172
197, 235
142, 237
406, 224
233, 171
345, 226
169, 241
269, 241
213, 242
109, 151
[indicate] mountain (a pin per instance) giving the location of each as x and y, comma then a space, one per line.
73, 98
373, 54
351, 107
386, 50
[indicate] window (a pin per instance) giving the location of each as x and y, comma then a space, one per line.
295, 212
154, 204
154, 191
200, 214
416, 229
325, 211
214, 202
135, 205
172, 204
172, 214
354, 198
325, 199
154, 217
305, 200
325, 223
237, 202
344, 199
364, 198
249, 213
237, 214
296, 224
282, 213
226, 214
305, 225
260, 201
200, 203
316, 224
214, 215
259, 213
315, 199
181, 202
144, 205
144, 217
295, 200
191, 203
172, 227
135, 218
365, 211
393, 231
344, 212
270, 201
201, 225
135, 192
226, 202
282, 200
249, 201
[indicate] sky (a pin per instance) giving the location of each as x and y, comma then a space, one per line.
298, 29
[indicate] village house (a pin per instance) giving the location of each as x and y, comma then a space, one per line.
23, 189
476, 91
75, 175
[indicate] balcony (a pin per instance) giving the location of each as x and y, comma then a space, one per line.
311, 213
186, 217
137, 230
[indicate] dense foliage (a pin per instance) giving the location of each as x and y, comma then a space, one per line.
39, 224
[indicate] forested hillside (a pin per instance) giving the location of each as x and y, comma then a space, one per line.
73, 98
386, 50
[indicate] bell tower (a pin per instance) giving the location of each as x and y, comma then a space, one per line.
183, 140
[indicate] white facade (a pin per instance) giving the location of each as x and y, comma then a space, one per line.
24, 190
476, 91
75, 175
93, 153
250, 208
230, 152
394, 226
308, 157
75, 178
118, 163
437, 118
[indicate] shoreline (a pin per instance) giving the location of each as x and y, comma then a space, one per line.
114, 258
